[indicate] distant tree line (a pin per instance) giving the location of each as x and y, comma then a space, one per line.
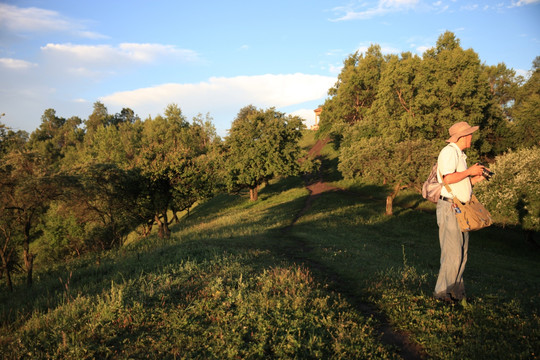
389, 115
74, 186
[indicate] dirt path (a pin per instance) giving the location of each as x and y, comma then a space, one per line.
299, 251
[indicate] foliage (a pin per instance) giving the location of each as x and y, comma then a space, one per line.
355, 91
104, 201
383, 161
11, 140
27, 185
64, 233
526, 111
513, 194
391, 114
55, 136
262, 144
174, 158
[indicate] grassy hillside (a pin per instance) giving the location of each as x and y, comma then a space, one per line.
250, 280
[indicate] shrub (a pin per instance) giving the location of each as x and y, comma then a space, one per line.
513, 194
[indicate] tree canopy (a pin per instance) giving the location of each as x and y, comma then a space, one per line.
382, 106
262, 144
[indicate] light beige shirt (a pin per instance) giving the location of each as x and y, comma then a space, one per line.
452, 159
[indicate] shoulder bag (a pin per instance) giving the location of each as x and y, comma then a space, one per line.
472, 215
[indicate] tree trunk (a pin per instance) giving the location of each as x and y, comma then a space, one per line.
254, 193
5, 266
5, 255
163, 227
27, 255
390, 200
29, 264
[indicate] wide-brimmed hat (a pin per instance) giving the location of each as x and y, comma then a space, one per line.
460, 129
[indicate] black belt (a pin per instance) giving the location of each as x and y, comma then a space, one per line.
445, 198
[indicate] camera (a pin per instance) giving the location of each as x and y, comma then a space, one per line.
486, 173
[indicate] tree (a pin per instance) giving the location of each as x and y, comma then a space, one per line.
383, 161
262, 144
104, 200
8, 244
10, 141
354, 92
118, 145
513, 193
396, 113
99, 117
415, 101
526, 110
55, 136
171, 157
456, 88
27, 186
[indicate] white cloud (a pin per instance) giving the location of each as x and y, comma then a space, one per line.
383, 7
223, 96
384, 49
335, 69
16, 64
36, 20
524, 2
470, 7
120, 55
422, 49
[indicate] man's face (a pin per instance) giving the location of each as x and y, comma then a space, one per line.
468, 140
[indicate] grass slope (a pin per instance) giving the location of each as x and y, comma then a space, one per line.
236, 281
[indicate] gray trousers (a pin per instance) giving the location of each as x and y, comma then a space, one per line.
454, 246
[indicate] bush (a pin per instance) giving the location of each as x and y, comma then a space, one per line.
513, 194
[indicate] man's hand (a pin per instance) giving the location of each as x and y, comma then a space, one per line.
476, 170
477, 179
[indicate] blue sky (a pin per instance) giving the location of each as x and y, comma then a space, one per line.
218, 56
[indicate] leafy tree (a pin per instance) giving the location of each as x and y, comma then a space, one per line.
526, 110
414, 102
171, 157
126, 116
55, 136
99, 117
9, 237
383, 161
27, 186
104, 200
503, 85
513, 193
262, 144
355, 91
457, 89
396, 113
118, 145
10, 141
65, 230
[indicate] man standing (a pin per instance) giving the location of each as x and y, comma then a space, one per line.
452, 166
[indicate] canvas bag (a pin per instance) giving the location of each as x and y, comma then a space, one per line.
431, 190
472, 215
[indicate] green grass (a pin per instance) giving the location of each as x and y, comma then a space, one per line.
231, 283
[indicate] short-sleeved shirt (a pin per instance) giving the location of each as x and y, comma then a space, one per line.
452, 159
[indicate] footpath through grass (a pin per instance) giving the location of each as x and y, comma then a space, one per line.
232, 284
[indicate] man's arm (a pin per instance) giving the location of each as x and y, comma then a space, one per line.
474, 171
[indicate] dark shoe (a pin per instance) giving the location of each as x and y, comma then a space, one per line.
447, 299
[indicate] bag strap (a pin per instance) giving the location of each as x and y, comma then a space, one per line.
446, 186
